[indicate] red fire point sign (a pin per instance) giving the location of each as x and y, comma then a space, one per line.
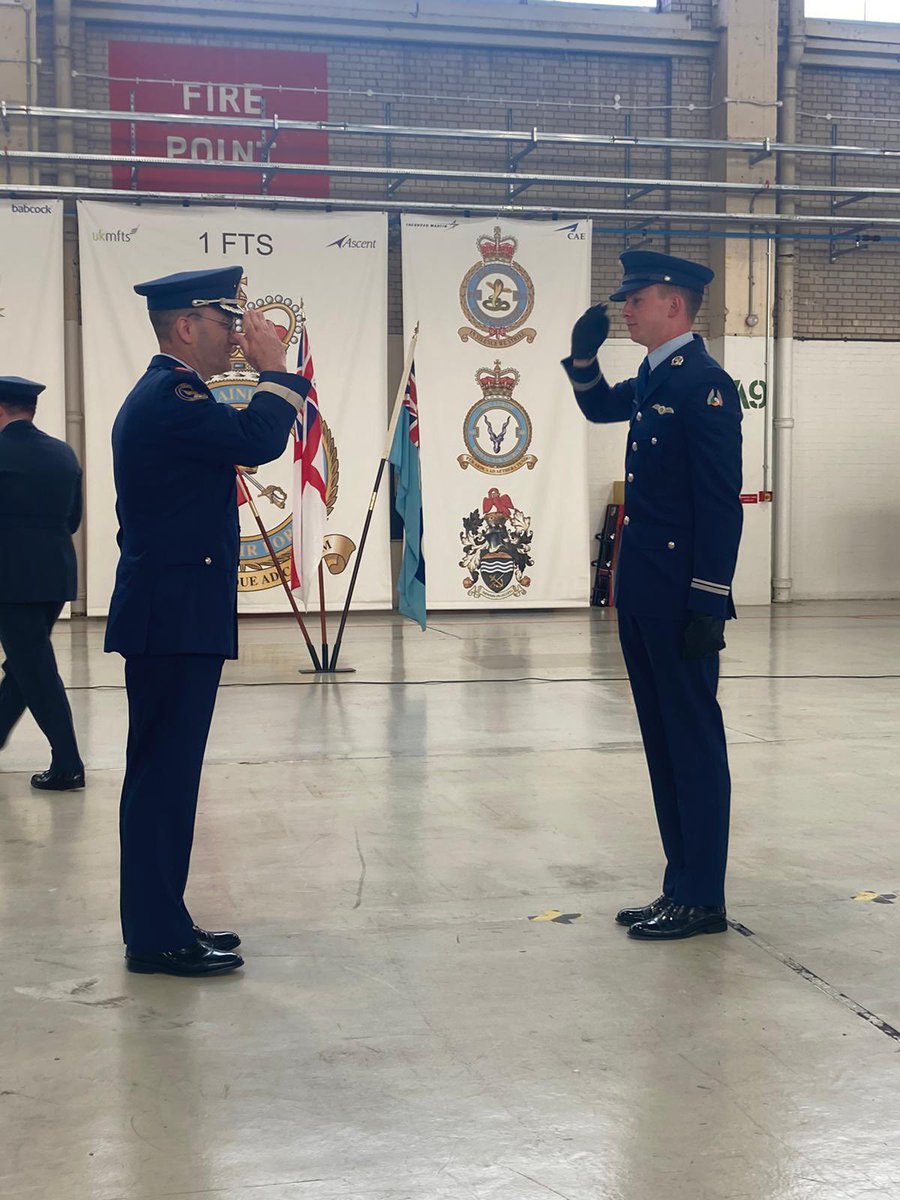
210, 81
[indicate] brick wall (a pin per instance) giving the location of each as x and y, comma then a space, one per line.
700, 11
855, 297
454, 86
494, 87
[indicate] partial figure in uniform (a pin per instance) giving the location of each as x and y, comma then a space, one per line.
173, 614
677, 555
40, 509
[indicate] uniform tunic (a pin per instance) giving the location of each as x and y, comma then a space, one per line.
173, 613
677, 556
40, 509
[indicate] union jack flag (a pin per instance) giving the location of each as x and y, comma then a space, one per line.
309, 473
411, 405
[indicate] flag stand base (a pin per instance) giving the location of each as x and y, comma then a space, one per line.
327, 671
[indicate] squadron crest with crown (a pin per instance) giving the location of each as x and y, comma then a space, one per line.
497, 430
497, 295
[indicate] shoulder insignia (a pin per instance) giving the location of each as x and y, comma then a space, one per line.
714, 399
678, 361
187, 391
662, 409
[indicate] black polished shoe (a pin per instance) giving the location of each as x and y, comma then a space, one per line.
222, 939
631, 916
58, 781
680, 921
198, 959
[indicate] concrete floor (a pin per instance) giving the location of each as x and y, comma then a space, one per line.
402, 1030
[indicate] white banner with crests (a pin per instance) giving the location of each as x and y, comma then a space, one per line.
31, 303
336, 264
503, 445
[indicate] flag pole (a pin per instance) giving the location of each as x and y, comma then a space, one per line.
392, 426
322, 617
321, 576
284, 583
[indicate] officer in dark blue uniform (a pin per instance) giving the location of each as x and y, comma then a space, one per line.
677, 556
173, 614
40, 509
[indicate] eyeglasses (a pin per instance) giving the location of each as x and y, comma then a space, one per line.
231, 325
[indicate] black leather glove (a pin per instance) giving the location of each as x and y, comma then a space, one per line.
703, 636
589, 332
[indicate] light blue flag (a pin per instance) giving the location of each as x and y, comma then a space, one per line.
404, 457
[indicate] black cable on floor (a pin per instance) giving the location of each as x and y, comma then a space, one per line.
531, 679
344, 682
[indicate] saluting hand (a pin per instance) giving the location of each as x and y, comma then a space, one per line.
589, 332
260, 343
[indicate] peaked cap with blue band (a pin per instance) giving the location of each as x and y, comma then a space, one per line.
195, 289
16, 390
645, 267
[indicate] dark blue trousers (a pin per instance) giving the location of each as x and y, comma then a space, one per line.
684, 741
171, 698
31, 680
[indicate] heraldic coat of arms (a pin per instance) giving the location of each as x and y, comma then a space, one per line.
496, 549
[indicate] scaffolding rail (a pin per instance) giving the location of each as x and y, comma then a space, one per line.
274, 125
511, 183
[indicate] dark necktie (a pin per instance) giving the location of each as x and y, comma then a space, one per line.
641, 383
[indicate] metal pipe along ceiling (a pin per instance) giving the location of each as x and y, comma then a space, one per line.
533, 136
430, 174
450, 208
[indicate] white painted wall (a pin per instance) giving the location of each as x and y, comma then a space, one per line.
846, 494
745, 358
846, 489
619, 359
